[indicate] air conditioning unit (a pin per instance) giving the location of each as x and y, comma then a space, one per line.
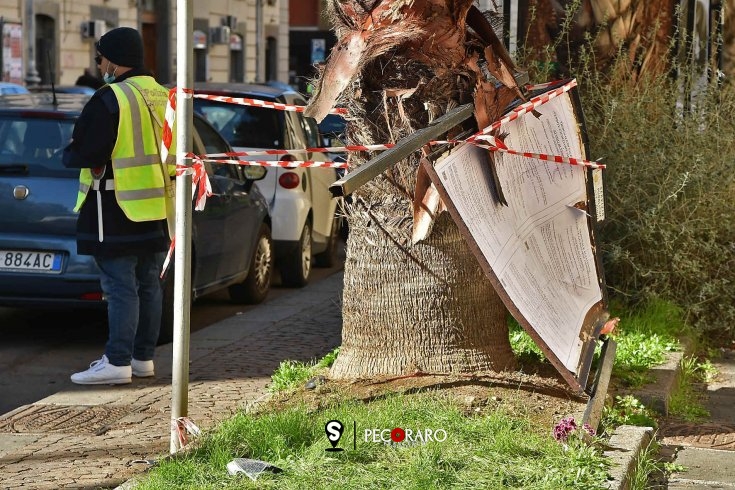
93, 29
219, 35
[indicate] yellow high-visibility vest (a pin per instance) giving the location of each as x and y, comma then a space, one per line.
141, 188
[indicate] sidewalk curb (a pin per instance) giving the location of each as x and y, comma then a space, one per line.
630, 442
627, 443
656, 395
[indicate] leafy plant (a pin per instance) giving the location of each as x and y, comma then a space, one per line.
522, 344
627, 410
646, 466
670, 177
669, 183
644, 337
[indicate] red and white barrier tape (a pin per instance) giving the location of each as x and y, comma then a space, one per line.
279, 163
326, 149
478, 139
262, 103
541, 156
201, 188
493, 144
183, 426
526, 107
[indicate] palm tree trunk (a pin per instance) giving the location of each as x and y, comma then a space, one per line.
427, 307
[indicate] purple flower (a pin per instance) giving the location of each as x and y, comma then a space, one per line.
564, 428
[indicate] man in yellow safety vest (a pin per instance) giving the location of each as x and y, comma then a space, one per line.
124, 194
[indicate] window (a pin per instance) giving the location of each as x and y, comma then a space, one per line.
213, 143
237, 59
46, 49
37, 144
310, 127
244, 126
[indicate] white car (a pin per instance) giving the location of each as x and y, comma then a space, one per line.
304, 219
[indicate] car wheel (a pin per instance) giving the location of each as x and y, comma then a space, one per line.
329, 257
254, 289
296, 267
166, 334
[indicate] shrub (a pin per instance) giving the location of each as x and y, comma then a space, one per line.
669, 231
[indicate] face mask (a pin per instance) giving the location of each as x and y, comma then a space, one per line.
107, 77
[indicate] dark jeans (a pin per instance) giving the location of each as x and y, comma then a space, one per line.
132, 287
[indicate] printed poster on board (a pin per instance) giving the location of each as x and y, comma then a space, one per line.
530, 223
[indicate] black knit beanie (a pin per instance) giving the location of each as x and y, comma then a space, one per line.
123, 46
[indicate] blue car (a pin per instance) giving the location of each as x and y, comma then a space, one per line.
39, 266
7, 88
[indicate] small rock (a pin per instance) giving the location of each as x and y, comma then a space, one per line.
314, 382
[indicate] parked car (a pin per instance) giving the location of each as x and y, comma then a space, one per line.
39, 266
64, 89
303, 211
7, 88
332, 132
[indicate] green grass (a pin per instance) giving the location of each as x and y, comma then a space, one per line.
492, 449
686, 402
484, 452
627, 410
293, 373
644, 337
646, 466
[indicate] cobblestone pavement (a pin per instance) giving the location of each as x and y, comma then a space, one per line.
101, 436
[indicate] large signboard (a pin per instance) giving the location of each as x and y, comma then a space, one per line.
530, 224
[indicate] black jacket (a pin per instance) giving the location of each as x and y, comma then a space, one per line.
93, 139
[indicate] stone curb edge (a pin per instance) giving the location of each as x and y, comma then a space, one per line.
628, 442
626, 446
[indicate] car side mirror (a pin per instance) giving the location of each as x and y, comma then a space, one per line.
254, 172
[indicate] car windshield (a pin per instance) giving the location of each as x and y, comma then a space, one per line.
333, 124
244, 126
35, 146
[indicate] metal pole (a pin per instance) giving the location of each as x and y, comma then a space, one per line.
259, 44
32, 77
2, 48
182, 256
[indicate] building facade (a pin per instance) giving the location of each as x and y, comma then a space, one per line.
310, 40
233, 40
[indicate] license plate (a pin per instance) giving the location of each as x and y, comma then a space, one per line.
27, 261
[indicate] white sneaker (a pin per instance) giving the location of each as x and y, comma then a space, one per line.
142, 369
101, 372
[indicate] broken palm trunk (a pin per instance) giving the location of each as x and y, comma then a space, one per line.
415, 299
